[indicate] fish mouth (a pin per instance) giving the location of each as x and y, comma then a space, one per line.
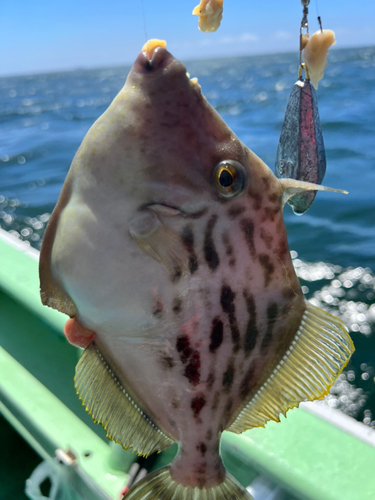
153, 60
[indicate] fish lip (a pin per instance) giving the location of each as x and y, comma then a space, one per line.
160, 60
170, 210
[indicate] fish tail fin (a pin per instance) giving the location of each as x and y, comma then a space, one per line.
160, 485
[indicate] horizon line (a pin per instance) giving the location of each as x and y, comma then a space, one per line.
187, 60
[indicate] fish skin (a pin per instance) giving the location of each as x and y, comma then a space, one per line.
191, 347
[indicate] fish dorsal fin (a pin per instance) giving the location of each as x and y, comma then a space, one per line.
319, 352
291, 187
111, 405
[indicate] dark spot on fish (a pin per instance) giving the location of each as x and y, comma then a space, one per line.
234, 212
202, 448
158, 309
210, 253
200, 475
257, 203
228, 249
177, 305
227, 303
266, 182
228, 376
188, 240
247, 383
266, 237
167, 362
172, 423
209, 435
197, 404
272, 315
252, 332
192, 370
175, 403
288, 293
177, 273
271, 212
273, 197
227, 244
210, 381
268, 268
216, 334
247, 227
216, 400
183, 347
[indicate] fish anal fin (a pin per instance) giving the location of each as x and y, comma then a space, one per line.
319, 352
111, 405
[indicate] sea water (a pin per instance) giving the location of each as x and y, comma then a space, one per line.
44, 117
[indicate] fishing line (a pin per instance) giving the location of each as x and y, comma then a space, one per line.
317, 15
144, 19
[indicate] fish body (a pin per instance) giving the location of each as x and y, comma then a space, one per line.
168, 250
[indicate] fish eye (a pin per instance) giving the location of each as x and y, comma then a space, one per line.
229, 178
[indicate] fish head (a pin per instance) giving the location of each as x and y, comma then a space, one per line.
159, 169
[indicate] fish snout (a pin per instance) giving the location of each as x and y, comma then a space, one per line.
153, 60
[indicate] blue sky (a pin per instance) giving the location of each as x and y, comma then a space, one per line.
50, 35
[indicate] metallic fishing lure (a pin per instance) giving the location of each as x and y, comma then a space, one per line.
301, 154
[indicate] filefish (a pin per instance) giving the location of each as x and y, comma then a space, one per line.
167, 248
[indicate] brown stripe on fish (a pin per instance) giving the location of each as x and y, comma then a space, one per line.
210, 381
210, 253
234, 212
228, 249
247, 383
227, 411
202, 448
228, 376
272, 314
187, 237
183, 347
252, 332
227, 303
167, 361
216, 400
268, 268
209, 435
197, 404
247, 227
216, 337
193, 369
177, 305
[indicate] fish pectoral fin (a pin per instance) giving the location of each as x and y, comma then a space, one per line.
160, 243
291, 187
111, 405
315, 358
160, 485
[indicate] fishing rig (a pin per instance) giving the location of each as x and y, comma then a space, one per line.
300, 153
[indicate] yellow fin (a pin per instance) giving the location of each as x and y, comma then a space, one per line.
109, 404
317, 355
161, 486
